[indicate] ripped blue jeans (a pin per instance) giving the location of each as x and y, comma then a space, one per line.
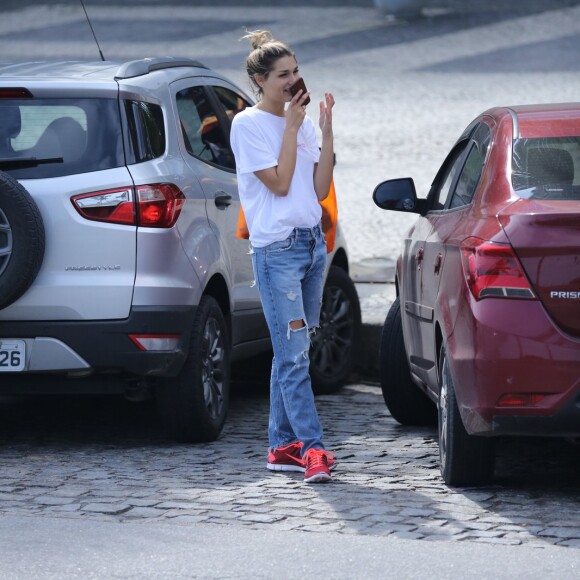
290, 279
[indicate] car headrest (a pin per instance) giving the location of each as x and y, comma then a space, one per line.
63, 137
550, 166
10, 121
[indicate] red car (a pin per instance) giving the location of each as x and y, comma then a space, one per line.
486, 323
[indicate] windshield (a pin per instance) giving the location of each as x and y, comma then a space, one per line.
65, 136
547, 168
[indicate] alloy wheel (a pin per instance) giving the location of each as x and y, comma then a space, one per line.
334, 339
443, 413
213, 361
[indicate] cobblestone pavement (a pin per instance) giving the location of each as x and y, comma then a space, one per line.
106, 459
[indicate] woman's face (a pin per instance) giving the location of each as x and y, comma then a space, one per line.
276, 87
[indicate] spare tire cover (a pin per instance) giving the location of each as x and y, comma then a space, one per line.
21, 240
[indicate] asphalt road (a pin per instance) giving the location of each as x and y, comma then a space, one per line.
212, 552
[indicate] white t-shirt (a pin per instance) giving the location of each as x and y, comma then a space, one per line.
256, 140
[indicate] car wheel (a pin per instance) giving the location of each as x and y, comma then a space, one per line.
406, 402
465, 460
193, 406
333, 350
21, 240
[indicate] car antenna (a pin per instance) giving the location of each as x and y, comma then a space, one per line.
91, 26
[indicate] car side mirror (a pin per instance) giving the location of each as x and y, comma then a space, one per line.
397, 195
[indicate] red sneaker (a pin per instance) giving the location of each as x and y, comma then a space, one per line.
286, 458
317, 468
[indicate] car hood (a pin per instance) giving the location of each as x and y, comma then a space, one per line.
545, 235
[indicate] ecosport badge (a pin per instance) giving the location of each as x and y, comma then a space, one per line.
91, 268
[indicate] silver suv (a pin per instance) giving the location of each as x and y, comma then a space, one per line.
120, 270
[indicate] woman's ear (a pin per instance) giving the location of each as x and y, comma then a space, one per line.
259, 80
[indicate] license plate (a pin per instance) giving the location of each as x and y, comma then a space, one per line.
12, 355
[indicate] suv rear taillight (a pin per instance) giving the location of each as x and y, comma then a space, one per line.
155, 205
493, 270
114, 206
159, 204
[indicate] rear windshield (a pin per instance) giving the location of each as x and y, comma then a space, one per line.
67, 136
547, 168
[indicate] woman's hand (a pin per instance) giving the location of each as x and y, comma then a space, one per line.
296, 111
324, 168
325, 121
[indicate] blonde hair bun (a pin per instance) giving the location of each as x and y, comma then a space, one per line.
258, 38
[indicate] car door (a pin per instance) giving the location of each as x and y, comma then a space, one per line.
89, 263
248, 318
423, 264
412, 263
449, 227
205, 126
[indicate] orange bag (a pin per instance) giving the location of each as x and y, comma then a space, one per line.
242, 229
329, 217
329, 220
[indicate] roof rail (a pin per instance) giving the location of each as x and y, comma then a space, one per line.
137, 68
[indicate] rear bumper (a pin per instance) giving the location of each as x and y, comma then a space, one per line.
564, 423
503, 349
85, 347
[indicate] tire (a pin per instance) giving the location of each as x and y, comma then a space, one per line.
465, 460
333, 350
406, 402
22, 240
193, 406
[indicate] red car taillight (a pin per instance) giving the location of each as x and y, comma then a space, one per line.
520, 400
113, 206
159, 204
155, 205
493, 270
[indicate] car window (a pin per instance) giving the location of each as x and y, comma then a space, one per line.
76, 135
473, 168
231, 101
146, 130
454, 164
547, 168
203, 134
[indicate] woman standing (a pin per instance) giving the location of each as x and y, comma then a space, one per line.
282, 176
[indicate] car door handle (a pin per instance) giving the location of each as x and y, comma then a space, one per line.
437, 264
222, 199
419, 257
